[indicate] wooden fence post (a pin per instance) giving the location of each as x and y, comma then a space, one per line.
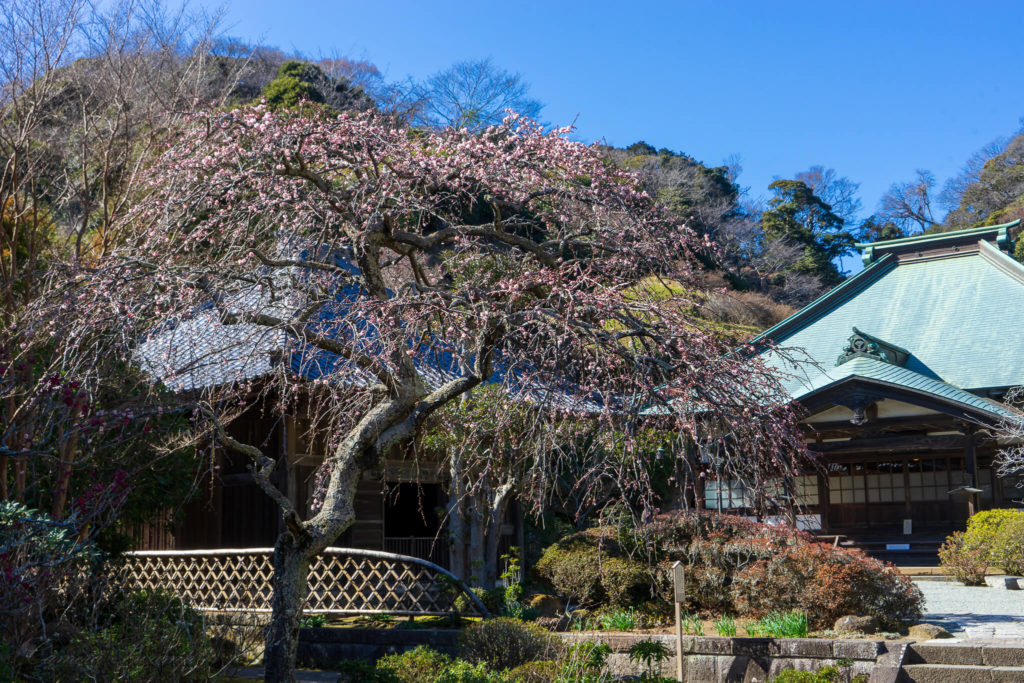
679, 586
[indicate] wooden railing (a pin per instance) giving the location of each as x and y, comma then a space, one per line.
341, 581
428, 547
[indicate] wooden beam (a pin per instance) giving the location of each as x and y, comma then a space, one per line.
890, 444
885, 423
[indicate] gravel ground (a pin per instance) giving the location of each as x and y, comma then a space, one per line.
974, 612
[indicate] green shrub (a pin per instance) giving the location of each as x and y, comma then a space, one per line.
360, 671
584, 663
144, 636
827, 674
590, 568
419, 665
1008, 546
983, 526
461, 671
505, 643
965, 564
993, 537
650, 654
493, 599
424, 665
543, 671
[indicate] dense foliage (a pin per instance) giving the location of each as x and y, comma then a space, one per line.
993, 538
733, 566
505, 643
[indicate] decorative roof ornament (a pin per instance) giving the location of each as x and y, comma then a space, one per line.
863, 344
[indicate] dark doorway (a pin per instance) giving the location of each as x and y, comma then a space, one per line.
412, 524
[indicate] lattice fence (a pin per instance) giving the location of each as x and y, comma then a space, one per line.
341, 581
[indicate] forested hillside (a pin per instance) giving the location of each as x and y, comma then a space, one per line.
989, 189
89, 102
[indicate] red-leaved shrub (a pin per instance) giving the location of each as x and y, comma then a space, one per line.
826, 583
733, 565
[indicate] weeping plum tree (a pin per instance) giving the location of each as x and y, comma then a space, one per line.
371, 275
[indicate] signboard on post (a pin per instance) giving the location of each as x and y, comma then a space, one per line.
679, 597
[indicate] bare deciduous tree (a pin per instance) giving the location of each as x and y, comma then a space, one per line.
908, 205
473, 94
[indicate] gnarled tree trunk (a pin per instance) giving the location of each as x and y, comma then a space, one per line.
291, 569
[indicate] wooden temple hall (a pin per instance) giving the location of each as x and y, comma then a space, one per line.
907, 365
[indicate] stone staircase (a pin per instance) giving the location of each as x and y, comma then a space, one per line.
923, 550
963, 662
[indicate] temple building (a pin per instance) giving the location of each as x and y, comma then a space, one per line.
902, 371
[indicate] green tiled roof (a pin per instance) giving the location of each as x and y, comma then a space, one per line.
894, 375
1002, 234
960, 316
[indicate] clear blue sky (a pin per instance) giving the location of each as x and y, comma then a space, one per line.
872, 89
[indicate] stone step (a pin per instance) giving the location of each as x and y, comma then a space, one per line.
966, 654
961, 673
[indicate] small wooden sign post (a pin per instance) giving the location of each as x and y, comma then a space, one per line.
679, 587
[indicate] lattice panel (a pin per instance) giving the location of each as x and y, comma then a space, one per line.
341, 581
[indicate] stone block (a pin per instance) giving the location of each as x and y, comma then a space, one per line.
1002, 656
814, 648
701, 669
755, 647
927, 632
853, 623
757, 670
711, 646
857, 649
958, 653
1006, 674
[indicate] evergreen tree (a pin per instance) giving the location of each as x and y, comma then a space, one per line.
796, 214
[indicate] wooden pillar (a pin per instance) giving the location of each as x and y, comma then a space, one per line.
971, 468
824, 502
907, 510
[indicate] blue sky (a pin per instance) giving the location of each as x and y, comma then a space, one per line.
872, 89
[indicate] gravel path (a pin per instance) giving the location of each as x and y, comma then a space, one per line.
974, 612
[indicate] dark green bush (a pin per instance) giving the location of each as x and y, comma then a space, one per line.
419, 665
543, 671
493, 599
424, 665
150, 636
359, 671
590, 568
505, 643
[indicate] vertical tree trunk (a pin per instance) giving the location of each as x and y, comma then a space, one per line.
456, 523
491, 555
291, 568
477, 543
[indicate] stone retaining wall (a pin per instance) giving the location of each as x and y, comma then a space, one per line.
708, 659
748, 660
325, 647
